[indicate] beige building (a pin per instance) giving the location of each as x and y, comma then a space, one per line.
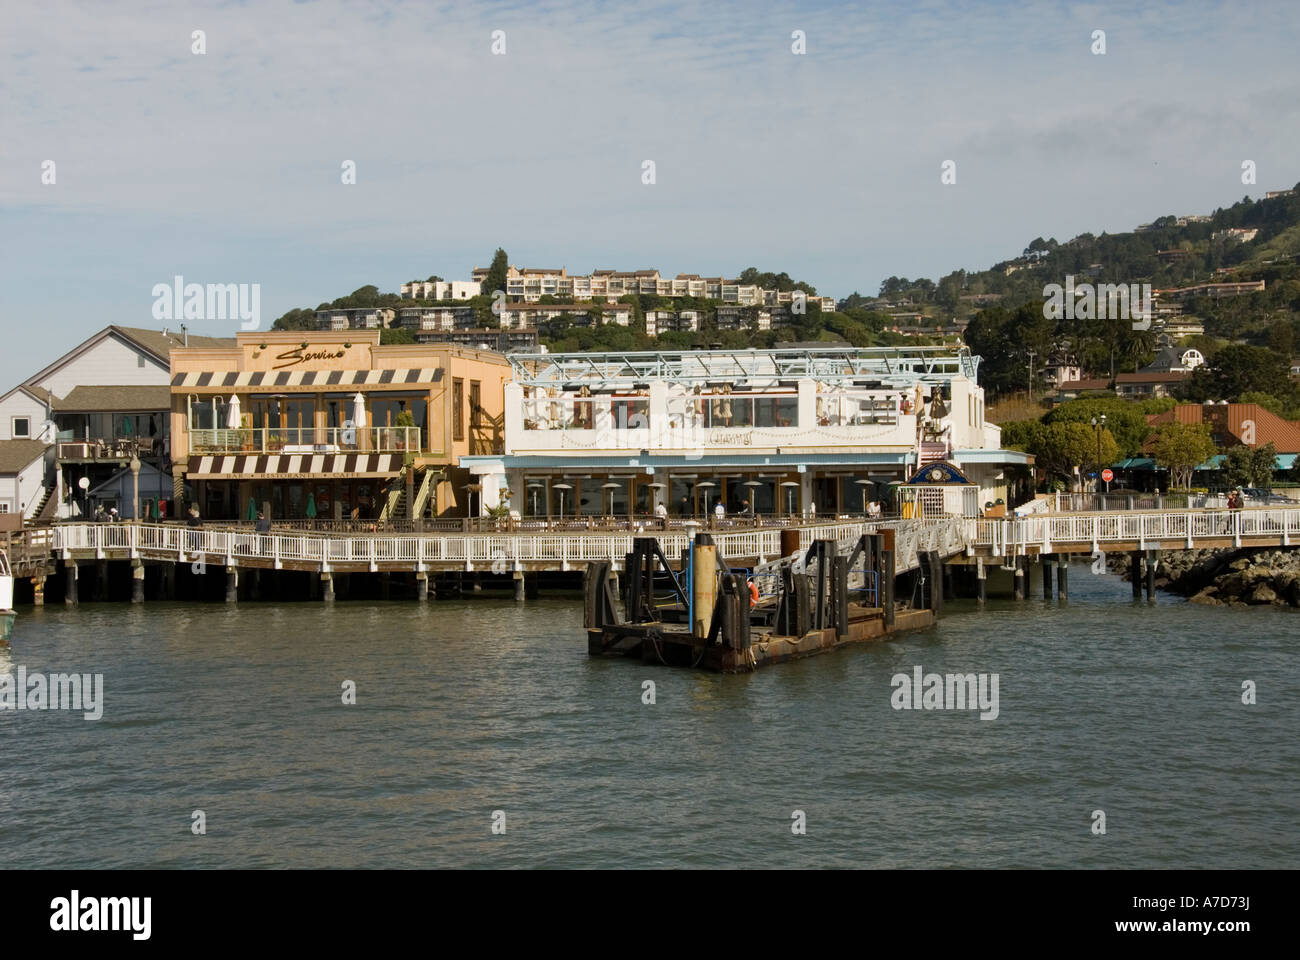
331, 425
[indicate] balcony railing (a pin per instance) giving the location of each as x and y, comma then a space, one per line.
290, 440
114, 448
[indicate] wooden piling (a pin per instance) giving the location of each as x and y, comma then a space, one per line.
519, 586
1152, 562
70, 572
422, 586
38, 591
1018, 583
1046, 562
887, 583
137, 581
1063, 576
981, 582
839, 596
232, 584
327, 587
704, 584
1135, 572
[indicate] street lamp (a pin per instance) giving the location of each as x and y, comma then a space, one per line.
1099, 424
135, 488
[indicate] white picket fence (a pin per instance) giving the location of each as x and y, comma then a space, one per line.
1183, 527
501, 552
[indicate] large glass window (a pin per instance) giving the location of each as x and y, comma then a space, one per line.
457, 409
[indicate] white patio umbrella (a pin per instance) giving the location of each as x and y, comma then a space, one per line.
359, 410
232, 414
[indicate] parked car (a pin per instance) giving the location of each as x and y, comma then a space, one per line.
1258, 497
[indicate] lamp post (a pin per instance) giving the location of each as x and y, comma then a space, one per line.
135, 488
1098, 425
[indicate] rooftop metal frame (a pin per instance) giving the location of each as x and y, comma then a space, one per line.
892, 366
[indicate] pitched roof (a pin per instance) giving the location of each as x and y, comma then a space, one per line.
125, 398
1269, 427
15, 455
160, 344
153, 342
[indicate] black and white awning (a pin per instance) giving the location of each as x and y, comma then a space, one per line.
307, 378
241, 466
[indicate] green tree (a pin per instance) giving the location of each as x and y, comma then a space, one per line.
1179, 448
1069, 449
1247, 467
496, 275
299, 318
396, 335
1239, 369
1124, 420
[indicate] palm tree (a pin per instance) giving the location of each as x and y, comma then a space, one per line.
1139, 344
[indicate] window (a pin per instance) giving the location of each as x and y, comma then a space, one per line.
475, 410
22, 427
457, 409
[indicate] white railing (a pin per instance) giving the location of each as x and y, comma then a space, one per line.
1185, 527
502, 552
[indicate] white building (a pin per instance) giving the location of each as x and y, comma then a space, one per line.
786, 430
441, 289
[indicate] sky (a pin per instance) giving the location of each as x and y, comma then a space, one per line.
226, 166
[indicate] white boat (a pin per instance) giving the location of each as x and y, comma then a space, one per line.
7, 614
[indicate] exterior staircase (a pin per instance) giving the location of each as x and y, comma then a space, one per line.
932, 451
45, 508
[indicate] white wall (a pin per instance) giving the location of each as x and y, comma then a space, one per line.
23, 491
21, 405
111, 362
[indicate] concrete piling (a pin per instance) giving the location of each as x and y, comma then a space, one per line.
137, 581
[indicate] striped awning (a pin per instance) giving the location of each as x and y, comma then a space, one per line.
241, 466
307, 378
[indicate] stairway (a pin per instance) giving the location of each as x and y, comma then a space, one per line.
45, 508
932, 452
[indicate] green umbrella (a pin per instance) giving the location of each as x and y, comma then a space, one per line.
127, 427
252, 509
153, 510
311, 506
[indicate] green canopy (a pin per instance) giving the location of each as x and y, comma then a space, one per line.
252, 509
311, 506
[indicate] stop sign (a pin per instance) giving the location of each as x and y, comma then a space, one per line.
1107, 475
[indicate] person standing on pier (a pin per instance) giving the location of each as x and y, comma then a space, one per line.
684, 508
194, 521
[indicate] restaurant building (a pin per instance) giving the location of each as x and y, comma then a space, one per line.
825, 430
331, 425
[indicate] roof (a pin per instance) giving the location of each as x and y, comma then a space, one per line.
105, 398
16, 455
1269, 427
160, 344
153, 342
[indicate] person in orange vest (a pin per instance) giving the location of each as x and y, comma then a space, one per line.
753, 593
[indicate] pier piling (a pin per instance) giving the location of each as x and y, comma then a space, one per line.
1152, 563
519, 586
1046, 561
137, 581
232, 585
1018, 585
38, 591
327, 587
981, 582
422, 587
1135, 571
887, 582
1063, 576
70, 571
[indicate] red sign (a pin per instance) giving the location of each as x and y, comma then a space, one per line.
1107, 475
